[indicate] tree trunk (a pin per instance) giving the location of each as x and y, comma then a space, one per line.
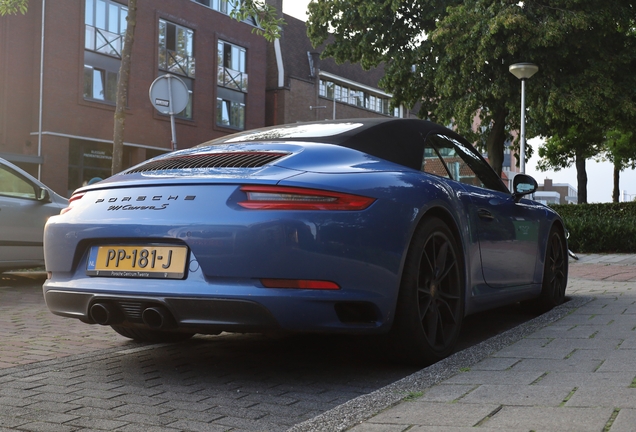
617, 178
496, 140
581, 177
122, 89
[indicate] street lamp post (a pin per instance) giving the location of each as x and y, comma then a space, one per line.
523, 71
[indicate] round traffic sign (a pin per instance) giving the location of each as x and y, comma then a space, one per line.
169, 94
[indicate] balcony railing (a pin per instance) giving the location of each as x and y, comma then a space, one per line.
232, 79
103, 41
176, 63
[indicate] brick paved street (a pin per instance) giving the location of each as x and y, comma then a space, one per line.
30, 333
59, 374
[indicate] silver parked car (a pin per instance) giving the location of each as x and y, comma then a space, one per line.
25, 206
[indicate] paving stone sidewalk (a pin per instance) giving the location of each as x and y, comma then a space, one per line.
572, 369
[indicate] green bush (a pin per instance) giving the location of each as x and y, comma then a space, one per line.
600, 228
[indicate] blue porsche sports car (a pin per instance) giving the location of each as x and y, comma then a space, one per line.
374, 226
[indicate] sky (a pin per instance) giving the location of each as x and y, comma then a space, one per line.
599, 174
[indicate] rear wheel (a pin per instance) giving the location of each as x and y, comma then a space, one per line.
555, 272
430, 304
144, 335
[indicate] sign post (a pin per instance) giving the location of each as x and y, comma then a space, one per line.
169, 95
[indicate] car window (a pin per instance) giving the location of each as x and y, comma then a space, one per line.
450, 158
13, 185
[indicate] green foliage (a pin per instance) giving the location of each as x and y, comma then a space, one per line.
13, 7
413, 396
560, 150
600, 228
621, 148
452, 57
266, 16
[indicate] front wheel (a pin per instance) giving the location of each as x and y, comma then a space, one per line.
144, 335
430, 305
555, 272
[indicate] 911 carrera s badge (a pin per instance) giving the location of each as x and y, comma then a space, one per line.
155, 199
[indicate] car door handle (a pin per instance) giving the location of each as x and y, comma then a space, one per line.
485, 214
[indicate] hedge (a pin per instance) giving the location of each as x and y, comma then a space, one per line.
600, 228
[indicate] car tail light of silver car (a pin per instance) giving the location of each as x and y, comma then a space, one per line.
72, 201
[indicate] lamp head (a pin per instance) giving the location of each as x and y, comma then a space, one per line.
523, 70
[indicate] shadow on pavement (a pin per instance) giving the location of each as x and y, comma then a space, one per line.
21, 278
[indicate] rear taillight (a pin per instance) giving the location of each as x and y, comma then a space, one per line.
291, 198
300, 284
72, 201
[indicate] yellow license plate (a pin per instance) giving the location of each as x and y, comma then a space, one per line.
157, 262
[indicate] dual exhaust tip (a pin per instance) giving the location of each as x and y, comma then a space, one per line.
155, 317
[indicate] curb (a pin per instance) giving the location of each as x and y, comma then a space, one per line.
363, 407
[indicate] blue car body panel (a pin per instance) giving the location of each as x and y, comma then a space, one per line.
232, 249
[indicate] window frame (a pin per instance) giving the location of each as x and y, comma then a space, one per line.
23, 181
183, 60
470, 158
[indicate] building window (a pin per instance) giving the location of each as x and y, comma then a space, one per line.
357, 97
105, 27
176, 49
230, 114
86, 160
100, 84
223, 6
176, 56
231, 85
231, 66
337, 92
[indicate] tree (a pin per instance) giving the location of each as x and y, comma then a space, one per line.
575, 146
269, 23
13, 7
621, 151
452, 57
121, 98
241, 10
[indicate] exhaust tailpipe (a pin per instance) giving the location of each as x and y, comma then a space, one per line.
157, 317
105, 314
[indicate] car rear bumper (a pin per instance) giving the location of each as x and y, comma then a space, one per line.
211, 314
201, 315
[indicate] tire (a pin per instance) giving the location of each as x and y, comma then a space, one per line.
144, 335
555, 272
430, 306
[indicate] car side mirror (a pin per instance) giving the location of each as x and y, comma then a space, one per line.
523, 185
44, 195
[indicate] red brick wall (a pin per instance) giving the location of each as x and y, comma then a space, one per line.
65, 110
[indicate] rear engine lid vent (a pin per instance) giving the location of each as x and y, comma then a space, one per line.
210, 160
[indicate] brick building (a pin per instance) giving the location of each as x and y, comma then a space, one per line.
303, 87
59, 118
56, 115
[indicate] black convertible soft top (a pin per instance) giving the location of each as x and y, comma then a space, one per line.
397, 140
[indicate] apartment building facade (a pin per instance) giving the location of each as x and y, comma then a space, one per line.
58, 119
303, 87
59, 67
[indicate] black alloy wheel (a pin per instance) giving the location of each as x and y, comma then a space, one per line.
555, 272
430, 305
